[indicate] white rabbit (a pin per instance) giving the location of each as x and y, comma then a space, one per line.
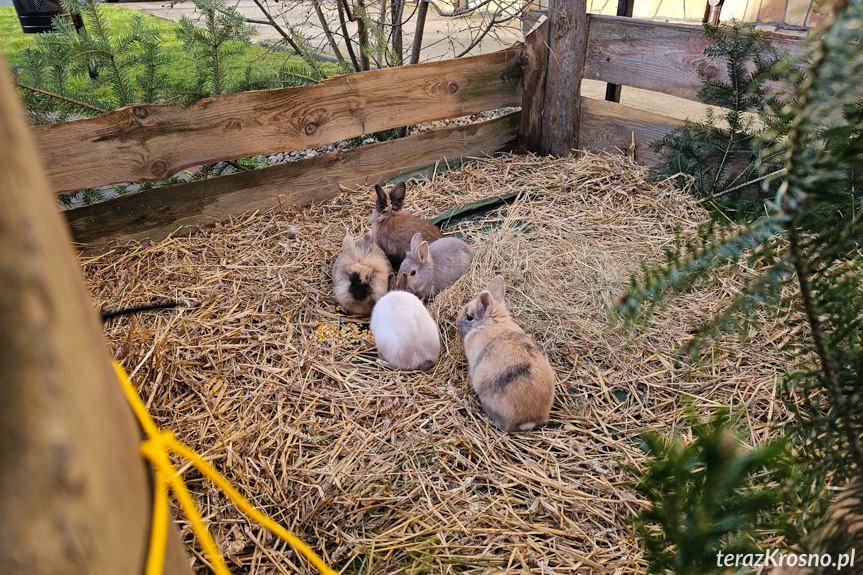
405, 334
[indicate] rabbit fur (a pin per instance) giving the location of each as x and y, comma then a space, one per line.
508, 371
405, 334
432, 267
393, 228
360, 275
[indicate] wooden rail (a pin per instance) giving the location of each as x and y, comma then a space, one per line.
609, 127
145, 143
658, 56
156, 213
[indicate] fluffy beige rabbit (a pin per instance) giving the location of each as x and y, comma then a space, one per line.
360, 275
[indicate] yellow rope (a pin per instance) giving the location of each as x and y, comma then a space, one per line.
156, 450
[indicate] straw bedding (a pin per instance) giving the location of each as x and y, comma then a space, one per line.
383, 471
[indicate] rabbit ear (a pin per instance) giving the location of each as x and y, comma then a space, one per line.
416, 241
497, 288
381, 202
366, 242
348, 243
484, 300
423, 251
397, 195
403, 282
391, 282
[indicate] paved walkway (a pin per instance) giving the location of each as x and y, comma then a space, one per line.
443, 37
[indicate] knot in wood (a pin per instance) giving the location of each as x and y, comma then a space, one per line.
452, 88
233, 125
140, 112
710, 71
525, 60
310, 128
158, 168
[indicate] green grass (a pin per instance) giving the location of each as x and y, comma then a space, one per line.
13, 41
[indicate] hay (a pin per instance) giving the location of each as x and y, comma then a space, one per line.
384, 471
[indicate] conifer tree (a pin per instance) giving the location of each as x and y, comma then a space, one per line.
807, 243
724, 152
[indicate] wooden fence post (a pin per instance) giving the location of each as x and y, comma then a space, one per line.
567, 43
612, 91
534, 63
75, 493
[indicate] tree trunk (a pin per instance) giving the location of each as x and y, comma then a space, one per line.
398, 44
422, 10
363, 35
75, 492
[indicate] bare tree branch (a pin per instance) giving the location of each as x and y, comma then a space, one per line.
59, 97
328, 32
347, 37
484, 33
418, 33
278, 28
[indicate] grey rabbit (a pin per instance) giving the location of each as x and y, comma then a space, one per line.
392, 227
432, 267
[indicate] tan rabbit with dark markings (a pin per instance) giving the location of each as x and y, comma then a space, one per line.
360, 275
393, 228
508, 371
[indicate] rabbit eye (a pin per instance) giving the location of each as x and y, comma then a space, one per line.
469, 317
413, 272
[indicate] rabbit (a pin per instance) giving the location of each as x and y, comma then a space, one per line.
508, 371
360, 275
432, 267
405, 334
392, 228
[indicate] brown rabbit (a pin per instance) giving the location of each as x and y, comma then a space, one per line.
360, 275
393, 228
507, 369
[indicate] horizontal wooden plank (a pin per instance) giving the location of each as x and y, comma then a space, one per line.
154, 214
143, 143
608, 127
659, 56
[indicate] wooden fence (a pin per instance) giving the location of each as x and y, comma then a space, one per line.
142, 143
